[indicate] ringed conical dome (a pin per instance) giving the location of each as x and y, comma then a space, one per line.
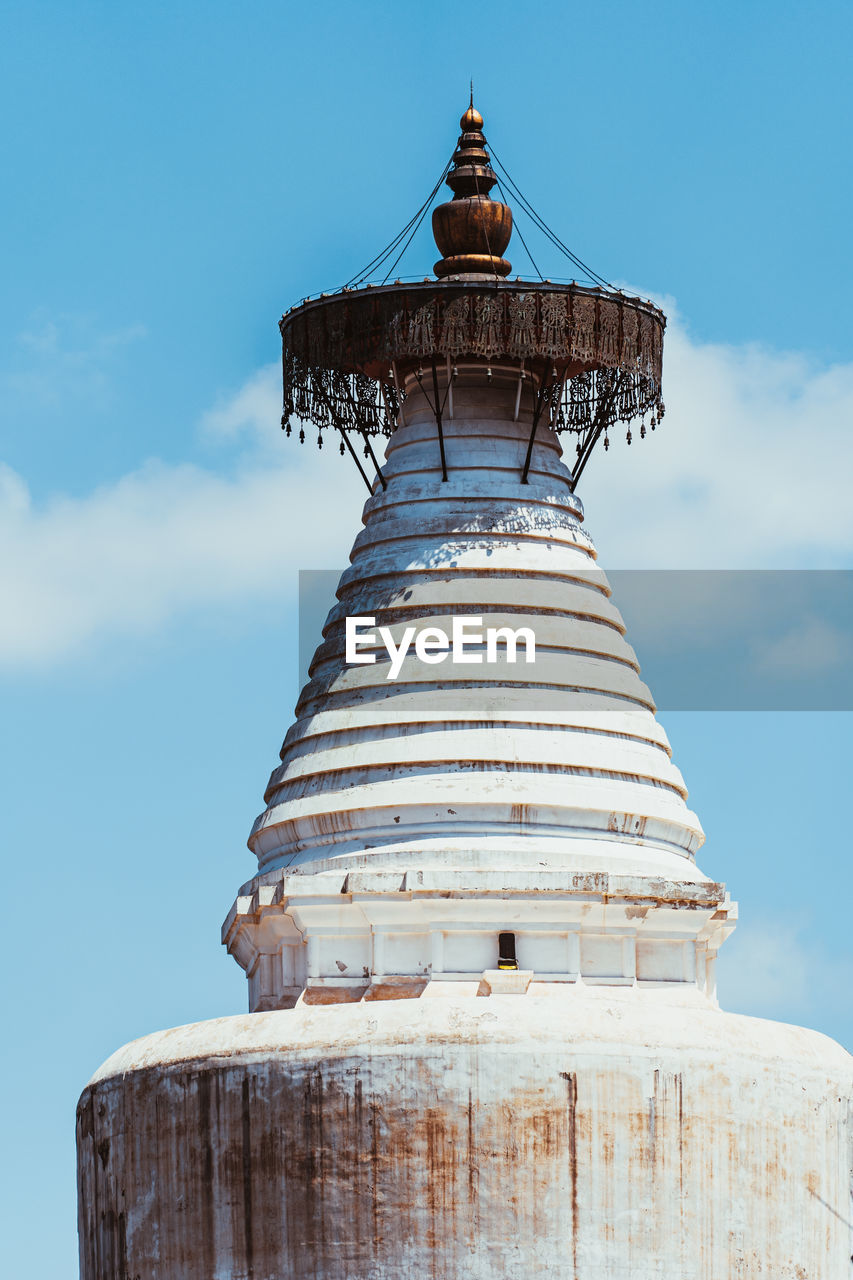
557, 762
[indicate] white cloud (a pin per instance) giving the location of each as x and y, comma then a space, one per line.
769, 968
62, 359
749, 469
255, 409
162, 541
812, 645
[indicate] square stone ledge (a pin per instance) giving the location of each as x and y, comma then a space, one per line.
506, 982
397, 936
276, 890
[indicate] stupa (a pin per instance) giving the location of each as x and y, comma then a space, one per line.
483, 1038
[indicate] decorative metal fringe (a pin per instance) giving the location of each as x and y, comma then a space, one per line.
326, 399
322, 341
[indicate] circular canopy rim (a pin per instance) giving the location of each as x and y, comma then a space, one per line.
352, 331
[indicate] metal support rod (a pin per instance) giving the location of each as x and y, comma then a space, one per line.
518, 392
361, 431
369, 448
401, 417
437, 412
537, 413
355, 456
391, 419
340, 426
555, 408
449, 390
599, 424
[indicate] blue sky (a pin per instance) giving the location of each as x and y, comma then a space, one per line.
177, 175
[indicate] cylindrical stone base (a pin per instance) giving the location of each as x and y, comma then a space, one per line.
587, 1135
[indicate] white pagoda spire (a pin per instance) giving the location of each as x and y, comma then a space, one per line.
484, 1041
553, 763
559, 762
542, 794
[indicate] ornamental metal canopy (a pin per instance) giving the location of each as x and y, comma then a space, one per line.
593, 355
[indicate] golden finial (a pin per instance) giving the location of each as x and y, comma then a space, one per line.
472, 118
472, 230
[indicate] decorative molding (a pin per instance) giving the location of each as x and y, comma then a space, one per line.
603, 350
327, 938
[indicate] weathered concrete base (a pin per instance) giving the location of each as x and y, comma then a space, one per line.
587, 1133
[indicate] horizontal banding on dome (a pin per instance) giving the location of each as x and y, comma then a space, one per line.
450, 755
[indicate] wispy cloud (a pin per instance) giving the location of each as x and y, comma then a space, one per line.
749, 469
165, 540
772, 969
253, 411
60, 359
812, 644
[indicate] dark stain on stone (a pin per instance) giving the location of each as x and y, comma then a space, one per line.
472, 1161
208, 1206
572, 1102
247, 1179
